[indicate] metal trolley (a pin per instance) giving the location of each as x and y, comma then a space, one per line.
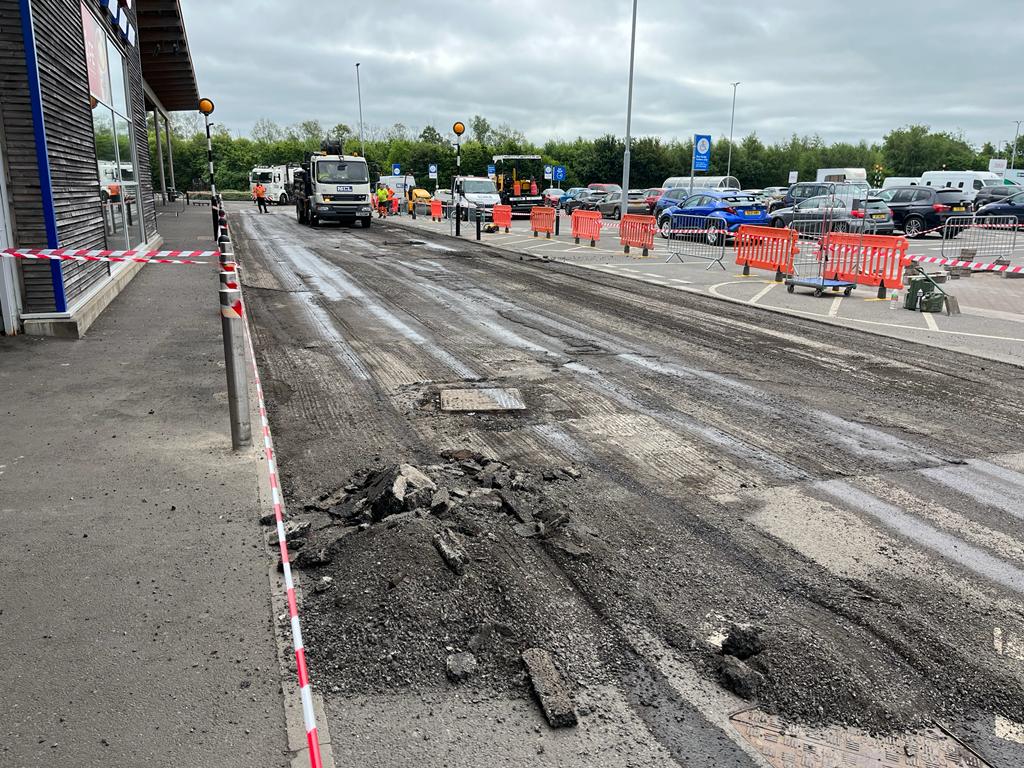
809, 272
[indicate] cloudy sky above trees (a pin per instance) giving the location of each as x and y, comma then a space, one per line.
844, 71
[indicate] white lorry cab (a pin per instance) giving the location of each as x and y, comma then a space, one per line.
333, 187
276, 179
402, 185
474, 193
969, 183
842, 174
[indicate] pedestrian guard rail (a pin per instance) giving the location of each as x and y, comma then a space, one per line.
874, 260
586, 225
501, 215
976, 237
695, 237
436, 211
542, 219
767, 248
637, 231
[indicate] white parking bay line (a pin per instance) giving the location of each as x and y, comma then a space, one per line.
677, 280
833, 311
761, 294
930, 321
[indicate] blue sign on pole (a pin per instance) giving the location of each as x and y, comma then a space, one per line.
701, 152
492, 171
396, 169
560, 173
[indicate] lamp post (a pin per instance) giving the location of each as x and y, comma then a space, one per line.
206, 107
359, 93
1013, 157
732, 122
624, 202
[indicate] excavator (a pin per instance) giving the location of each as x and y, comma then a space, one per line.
516, 185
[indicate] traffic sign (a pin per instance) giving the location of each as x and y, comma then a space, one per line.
492, 171
560, 173
701, 152
548, 170
793, 176
432, 170
396, 169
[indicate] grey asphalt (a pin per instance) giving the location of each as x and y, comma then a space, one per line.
135, 617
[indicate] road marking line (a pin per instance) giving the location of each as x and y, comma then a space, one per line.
762, 293
930, 321
678, 280
833, 311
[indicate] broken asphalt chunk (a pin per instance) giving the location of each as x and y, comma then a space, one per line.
461, 666
550, 688
451, 552
739, 678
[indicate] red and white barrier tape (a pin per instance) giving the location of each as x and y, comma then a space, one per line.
976, 266
138, 257
305, 690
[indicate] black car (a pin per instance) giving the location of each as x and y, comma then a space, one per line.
995, 194
1010, 206
803, 190
578, 200
916, 210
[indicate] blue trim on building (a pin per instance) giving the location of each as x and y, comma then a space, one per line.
42, 153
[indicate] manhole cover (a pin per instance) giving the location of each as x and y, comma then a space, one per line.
481, 400
786, 746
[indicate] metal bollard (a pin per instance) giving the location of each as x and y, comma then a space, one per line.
558, 218
479, 221
412, 209
215, 211
458, 220
234, 358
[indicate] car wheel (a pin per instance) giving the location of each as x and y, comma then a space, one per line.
665, 228
913, 226
713, 233
779, 223
841, 226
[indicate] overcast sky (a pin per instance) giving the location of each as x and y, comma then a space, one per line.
558, 68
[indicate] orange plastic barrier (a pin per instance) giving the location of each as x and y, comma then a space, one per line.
586, 225
864, 259
542, 219
637, 231
436, 212
502, 216
767, 248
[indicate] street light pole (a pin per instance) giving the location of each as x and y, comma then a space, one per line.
359, 92
1013, 157
624, 202
732, 122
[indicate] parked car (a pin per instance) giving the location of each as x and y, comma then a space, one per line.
829, 213
714, 210
605, 187
568, 194
672, 196
651, 197
610, 205
918, 209
995, 194
1008, 206
552, 196
594, 198
581, 199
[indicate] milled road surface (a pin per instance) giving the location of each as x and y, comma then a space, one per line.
846, 494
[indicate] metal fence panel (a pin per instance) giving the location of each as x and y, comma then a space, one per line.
979, 238
696, 237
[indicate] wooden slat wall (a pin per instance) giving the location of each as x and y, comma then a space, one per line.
138, 107
20, 154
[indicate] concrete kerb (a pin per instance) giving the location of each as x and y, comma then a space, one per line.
519, 256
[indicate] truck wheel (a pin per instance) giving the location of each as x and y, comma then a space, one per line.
300, 213
314, 220
365, 223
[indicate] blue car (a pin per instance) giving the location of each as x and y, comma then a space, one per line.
568, 194
671, 197
715, 211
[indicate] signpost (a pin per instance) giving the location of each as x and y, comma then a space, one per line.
793, 176
396, 169
701, 156
548, 172
458, 129
560, 174
492, 171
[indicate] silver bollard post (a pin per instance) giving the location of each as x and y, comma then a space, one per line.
234, 358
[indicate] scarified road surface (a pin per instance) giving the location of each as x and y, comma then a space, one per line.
859, 500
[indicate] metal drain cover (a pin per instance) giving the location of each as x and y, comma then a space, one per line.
462, 400
787, 746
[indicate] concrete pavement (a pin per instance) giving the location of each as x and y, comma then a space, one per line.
136, 615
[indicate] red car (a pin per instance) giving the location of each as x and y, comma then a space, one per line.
651, 196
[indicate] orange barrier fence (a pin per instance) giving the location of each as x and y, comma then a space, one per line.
436, 213
501, 215
766, 248
637, 231
542, 219
864, 259
586, 225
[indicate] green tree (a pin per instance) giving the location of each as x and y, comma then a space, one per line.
430, 135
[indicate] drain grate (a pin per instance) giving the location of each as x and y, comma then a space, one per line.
463, 400
786, 746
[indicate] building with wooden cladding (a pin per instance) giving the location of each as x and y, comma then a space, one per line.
79, 82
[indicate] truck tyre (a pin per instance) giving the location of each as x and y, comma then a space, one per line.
365, 223
314, 220
300, 213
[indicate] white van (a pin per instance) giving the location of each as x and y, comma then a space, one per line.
968, 182
401, 184
842, 174
901, 181
472, 193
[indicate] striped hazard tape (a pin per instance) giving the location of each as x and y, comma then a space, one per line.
305, 690
976, 266
138, 257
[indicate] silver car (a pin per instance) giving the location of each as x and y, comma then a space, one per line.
825, 213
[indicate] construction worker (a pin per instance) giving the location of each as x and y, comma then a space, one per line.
392, 201
260, 193
382, 202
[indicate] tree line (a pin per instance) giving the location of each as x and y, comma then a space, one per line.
906, 151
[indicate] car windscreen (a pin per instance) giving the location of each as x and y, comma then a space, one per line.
1017, 199
263, 177
479, 187
336, 172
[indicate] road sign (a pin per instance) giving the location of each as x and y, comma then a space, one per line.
396, 169
432, 170
560, 173
793, 176
701, 152
997, 165
548, 171
492, 171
